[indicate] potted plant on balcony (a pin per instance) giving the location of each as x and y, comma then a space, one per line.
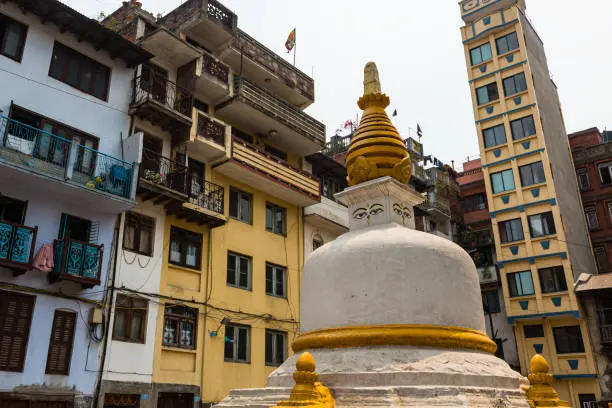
152, 176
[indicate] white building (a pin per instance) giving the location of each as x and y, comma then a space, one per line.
64, 179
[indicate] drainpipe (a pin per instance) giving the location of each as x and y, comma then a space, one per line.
206, 299
111, 293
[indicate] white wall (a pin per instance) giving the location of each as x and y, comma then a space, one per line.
328, 209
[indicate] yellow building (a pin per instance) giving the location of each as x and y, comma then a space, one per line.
215, 245
540, 234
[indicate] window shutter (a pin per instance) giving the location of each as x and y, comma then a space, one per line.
60, 343
15, 319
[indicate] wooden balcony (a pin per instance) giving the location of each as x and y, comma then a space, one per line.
254, 167
255, 108
207, 138
77, 261
17, 246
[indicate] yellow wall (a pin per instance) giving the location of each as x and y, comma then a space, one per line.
529, 254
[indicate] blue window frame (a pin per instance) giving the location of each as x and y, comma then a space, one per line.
502, 181
481, 53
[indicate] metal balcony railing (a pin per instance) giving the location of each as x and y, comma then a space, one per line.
47, 153
155, 87
210, 129
267, 103
206, 194
337, 144
160, 170
78, 261
16, 244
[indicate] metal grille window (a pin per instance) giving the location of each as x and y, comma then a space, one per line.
237, 343
541, 225
533, 331
511, 230
60, 343
79, 71
276, 278
507, 43
568, 339
515, 84
180, 325
591, 217
138, 233
532, 174
502, 181
130, 319
490, 302
494, 136
481, 54
522, 128
583, 179
240, 205
238, 271
12, 38
487, 93
552, 279
185, 248
602, 258
276, 347
276, 219
15, 321
520, 284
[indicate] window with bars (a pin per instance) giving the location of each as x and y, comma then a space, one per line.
522, 128
60, 343
515, 84
552, 279
568, 339
130, 319
276, 347
276, 280
12, 38
520, 284
237, 343
531, 174
15, 321
180, 325
238, 271
276, 218
487, 93
79, 71
541, 225
601, 258
185, 248
507, 43
494, 136
511, 230
240, 205
481, 54
502, 181
591, 217
583, 179
138, 233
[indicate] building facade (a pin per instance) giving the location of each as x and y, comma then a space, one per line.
592, 154
64, 180
210, 259
532, 193
476, 237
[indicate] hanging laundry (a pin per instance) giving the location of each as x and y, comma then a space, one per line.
43, 261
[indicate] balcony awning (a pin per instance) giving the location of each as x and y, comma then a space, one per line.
591, 283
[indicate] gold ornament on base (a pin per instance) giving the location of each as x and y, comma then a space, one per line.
376, 149
307, 392
541, 393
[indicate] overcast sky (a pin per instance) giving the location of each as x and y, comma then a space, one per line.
417, 47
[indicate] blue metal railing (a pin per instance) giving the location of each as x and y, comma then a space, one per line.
78, 260
16, 244
43, 151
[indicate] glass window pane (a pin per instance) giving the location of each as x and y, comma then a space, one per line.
280, 282
233, 203
192, 258
489, 137
231, 269
512, 41
145, 241
269, 218
492, 92
243, 343
175, 252
526, 283
229, 343
521, 83
482, 95
508, 180
269, 347
269, 279
120, 323
500, 134
129, 237
137, 325
170, 331
497, 183
245, 208
528, 126
280, 348
485, 50
186, 333
475, 56
517, 130
244, 272
535, 224
12, 40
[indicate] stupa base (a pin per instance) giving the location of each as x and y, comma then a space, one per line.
399, 377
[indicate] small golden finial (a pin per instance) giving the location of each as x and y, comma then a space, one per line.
307, 392
376, 148
541, 393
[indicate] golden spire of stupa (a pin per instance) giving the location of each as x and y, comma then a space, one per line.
376, 148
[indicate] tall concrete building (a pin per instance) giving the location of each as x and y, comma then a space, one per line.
542, 246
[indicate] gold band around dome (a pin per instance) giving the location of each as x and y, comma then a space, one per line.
448, 337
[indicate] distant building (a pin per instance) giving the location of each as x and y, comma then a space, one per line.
477, 239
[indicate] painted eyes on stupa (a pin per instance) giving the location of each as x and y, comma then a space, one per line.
397, 209
368, 211
360, 213
376, 209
